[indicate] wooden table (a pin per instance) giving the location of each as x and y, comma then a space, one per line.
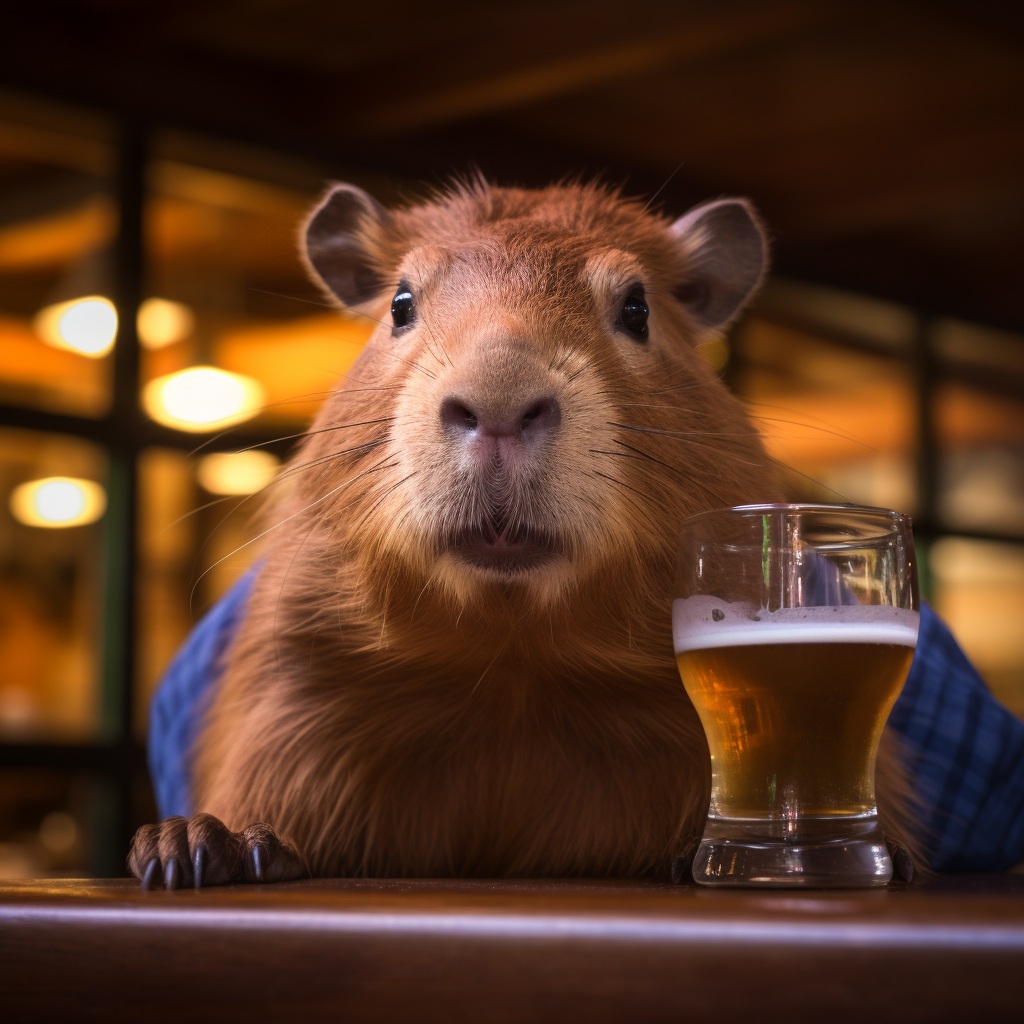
431, 950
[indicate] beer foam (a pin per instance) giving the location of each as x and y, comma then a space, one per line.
701, 622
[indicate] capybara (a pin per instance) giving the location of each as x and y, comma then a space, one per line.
457, 658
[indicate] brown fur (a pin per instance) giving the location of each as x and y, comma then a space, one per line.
394, 712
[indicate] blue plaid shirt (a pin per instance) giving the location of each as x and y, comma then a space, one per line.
966, 749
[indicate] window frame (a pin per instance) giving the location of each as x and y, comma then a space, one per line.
117, 759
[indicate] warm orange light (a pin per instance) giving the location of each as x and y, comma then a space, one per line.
162, 322
58, 501
202, 398
87, 325
237, 472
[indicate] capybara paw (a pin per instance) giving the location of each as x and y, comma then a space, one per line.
266, 857
902, 862
182, 853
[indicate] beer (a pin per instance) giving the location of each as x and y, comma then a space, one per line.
793, 701
794, 628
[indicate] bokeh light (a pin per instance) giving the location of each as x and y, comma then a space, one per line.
237, 472
161, 323
87, 325
58, 501
202, 398
58, 832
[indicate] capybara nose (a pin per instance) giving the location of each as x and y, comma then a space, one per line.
529, 423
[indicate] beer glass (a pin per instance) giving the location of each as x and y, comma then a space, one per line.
794, 629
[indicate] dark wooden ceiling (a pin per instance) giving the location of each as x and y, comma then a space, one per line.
883, 141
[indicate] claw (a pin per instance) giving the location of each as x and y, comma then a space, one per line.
682, 866
197, 865
171, 873
150, 873
257, 862
902, 862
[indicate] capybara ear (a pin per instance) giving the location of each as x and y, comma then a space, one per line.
725, 252
340, 240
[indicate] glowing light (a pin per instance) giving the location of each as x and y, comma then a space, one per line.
58, 501
202, 398
237, 472
162, 322
87, 325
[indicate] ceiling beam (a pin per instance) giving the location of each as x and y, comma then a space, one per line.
509, 89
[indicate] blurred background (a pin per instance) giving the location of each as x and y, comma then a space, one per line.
155, 160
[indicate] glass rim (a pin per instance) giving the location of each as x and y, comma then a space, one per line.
767, 508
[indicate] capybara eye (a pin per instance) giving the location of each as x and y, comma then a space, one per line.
633, 317
403, 310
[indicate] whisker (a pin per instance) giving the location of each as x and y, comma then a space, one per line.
601, 451
310, 433
643, 510
681, 433
790, 469
383, 323
290, 471
210, 504
331, 457
263, 408
293, 298
288, 519
685, 436
814, 426
668, 391
616, 480
411, 363
664, 185
376, 504
440, 342
693, 484
641, 457
686, 433
366, 316
752, 404
688, 437
646, 455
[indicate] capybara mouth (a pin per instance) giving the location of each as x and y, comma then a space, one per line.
499, 547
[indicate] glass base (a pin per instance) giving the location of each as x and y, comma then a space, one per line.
832, 852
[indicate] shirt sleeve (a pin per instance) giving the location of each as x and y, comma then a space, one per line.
183, 694
966, 757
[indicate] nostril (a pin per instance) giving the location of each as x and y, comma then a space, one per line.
534, 420
457, 416
543, 415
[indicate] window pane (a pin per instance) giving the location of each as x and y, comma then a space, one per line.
979, 591
840, 420
52, 497
57, 225
223, 251
980, 427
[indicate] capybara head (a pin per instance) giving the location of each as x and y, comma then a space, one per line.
531, 416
